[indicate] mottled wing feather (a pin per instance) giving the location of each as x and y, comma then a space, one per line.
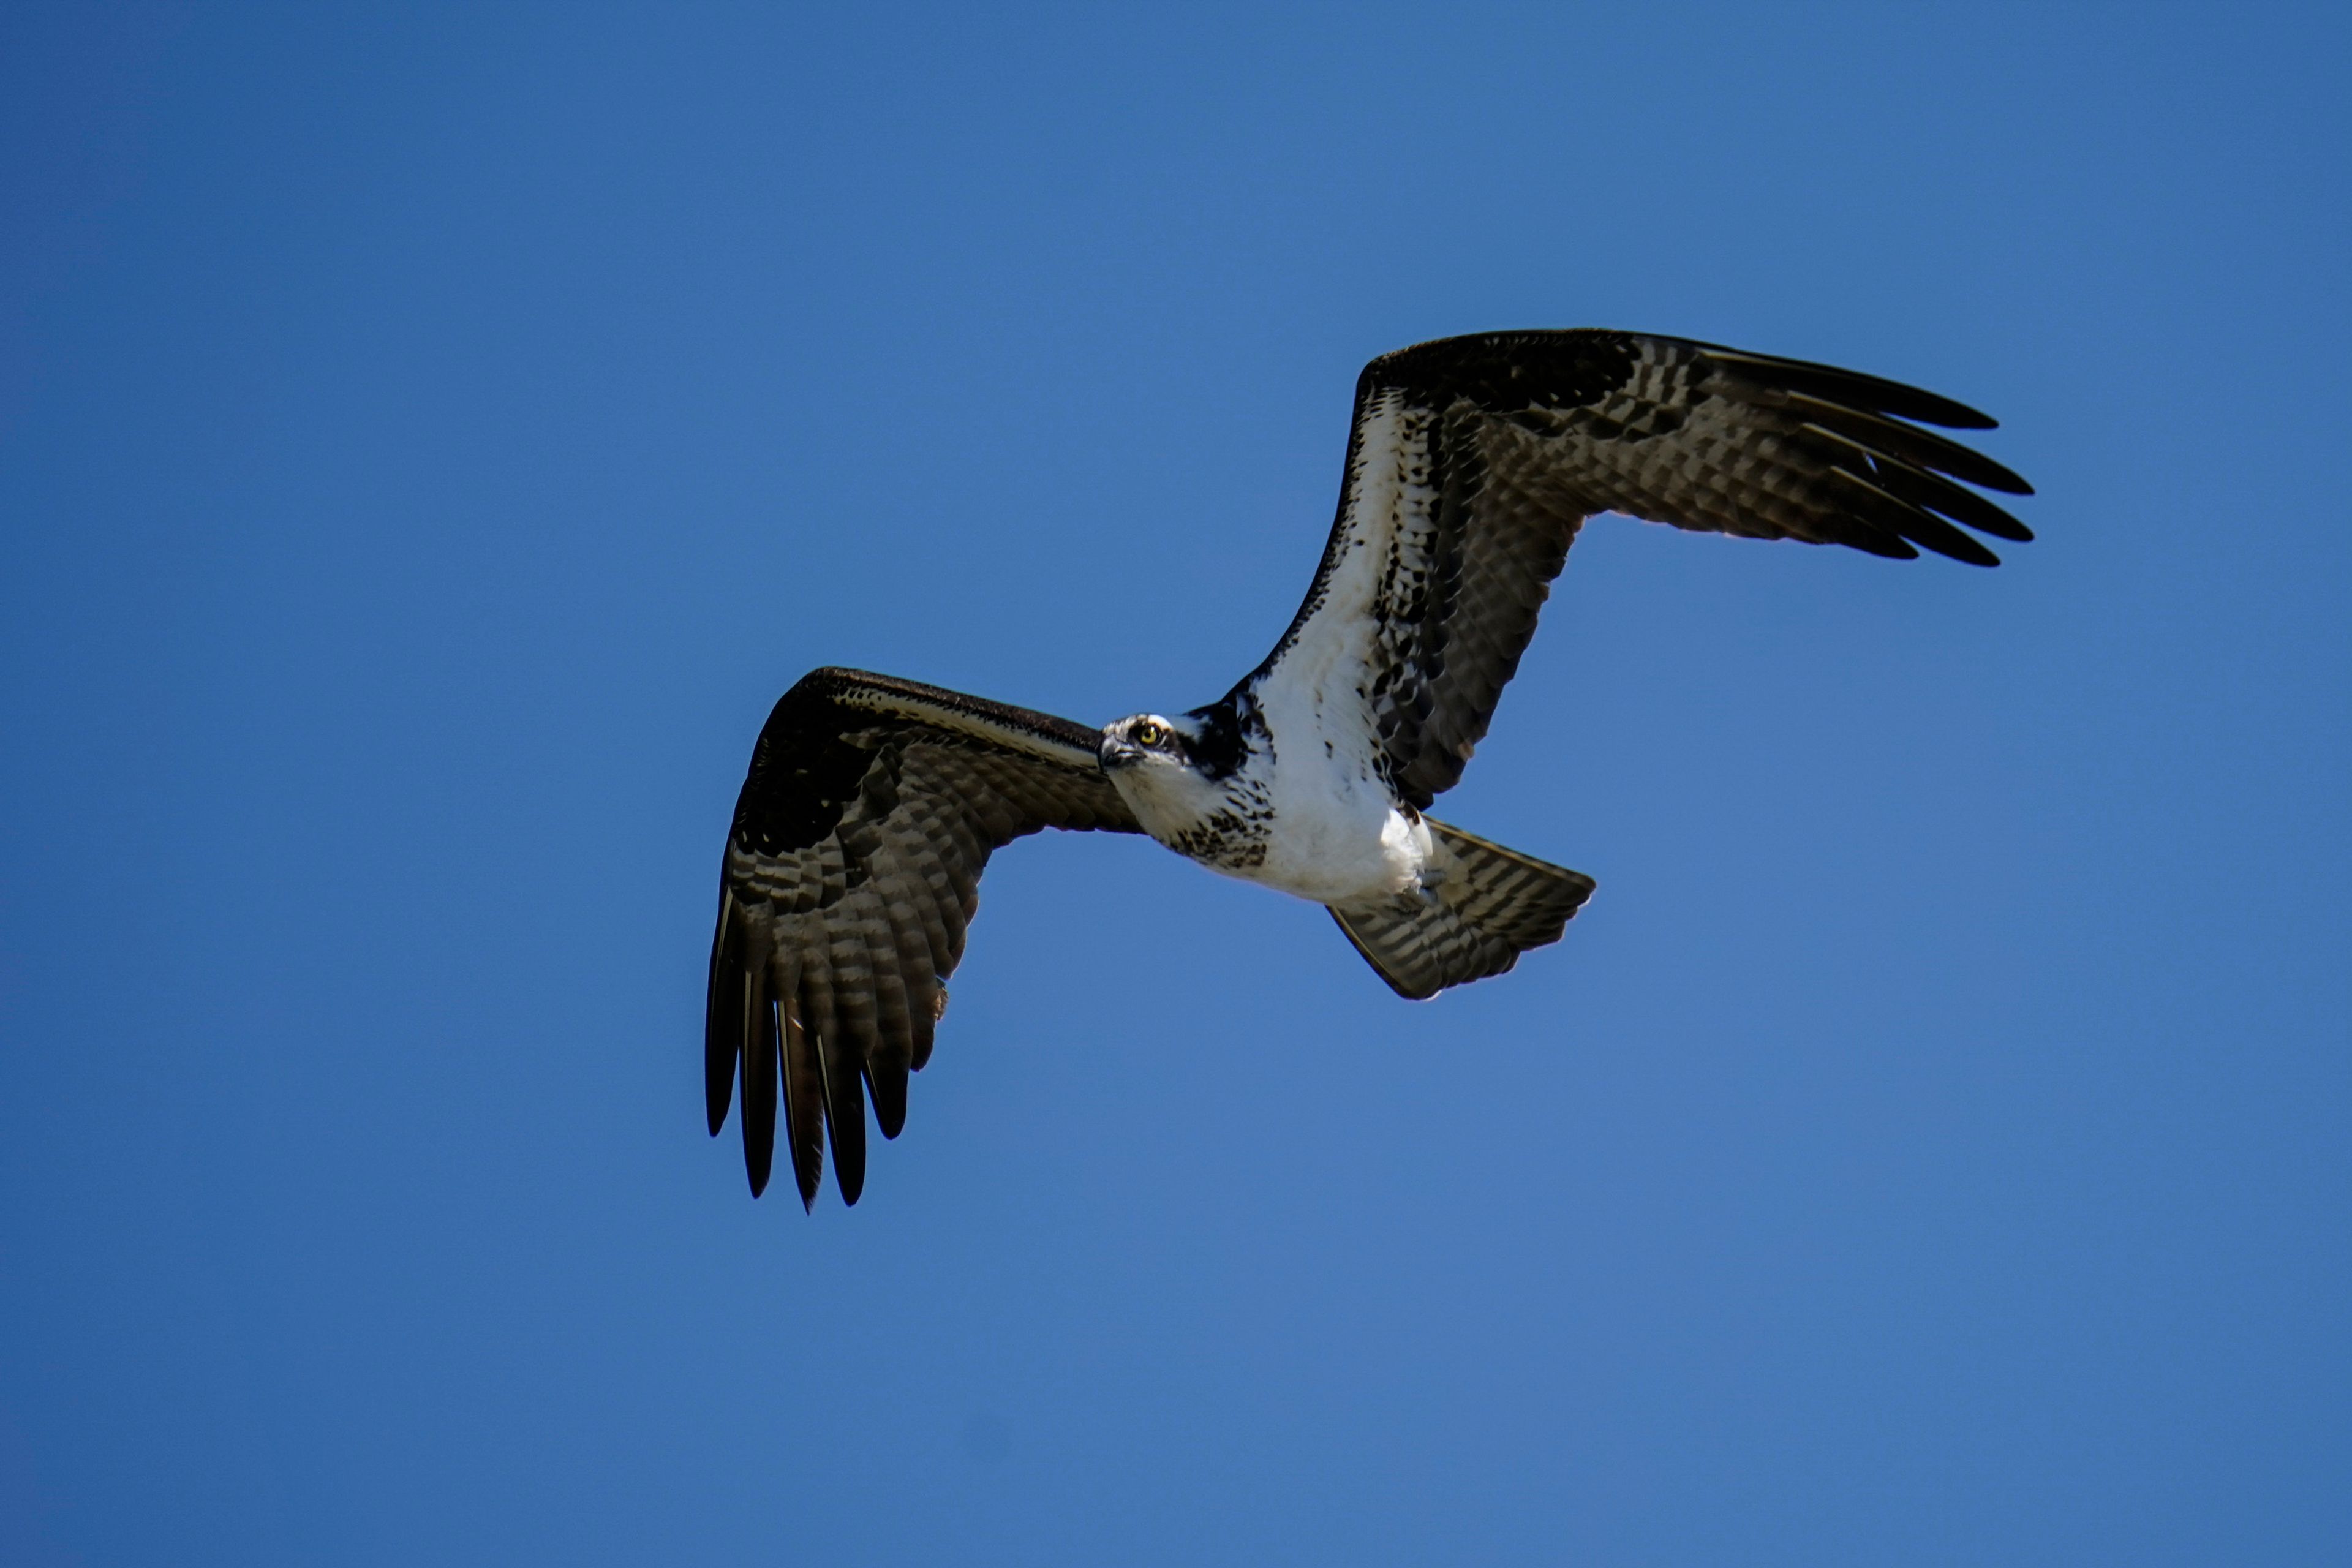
851, 873
1473, 462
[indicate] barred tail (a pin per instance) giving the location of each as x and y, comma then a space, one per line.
1491, 905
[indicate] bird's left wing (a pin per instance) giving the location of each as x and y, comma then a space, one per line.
852, 871
1473, 461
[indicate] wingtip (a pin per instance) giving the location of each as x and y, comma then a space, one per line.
760, 1066
717, 1091
722, 1026
758, 1164
1898, 398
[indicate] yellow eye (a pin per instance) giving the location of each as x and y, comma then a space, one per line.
1148, 733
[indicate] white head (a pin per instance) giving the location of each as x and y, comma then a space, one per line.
1157, 766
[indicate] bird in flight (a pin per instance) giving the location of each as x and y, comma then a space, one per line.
853, 865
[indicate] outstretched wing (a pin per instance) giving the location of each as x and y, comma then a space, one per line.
1473, 461
851, 874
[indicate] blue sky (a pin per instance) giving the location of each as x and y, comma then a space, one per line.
431, 437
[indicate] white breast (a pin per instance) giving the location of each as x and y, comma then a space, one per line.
1337, 836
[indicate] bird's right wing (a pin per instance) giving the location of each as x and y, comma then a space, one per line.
852, 871
1473, 461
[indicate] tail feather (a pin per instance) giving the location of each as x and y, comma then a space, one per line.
1490, 905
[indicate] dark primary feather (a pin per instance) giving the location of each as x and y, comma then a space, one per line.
1473, 461
852, 872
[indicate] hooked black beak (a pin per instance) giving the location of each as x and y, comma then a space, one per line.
1116, 754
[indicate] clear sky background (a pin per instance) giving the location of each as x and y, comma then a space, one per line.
431, 437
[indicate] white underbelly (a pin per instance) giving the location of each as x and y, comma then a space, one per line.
1337, 834
1352, 847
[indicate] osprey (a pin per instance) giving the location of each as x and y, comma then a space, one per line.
853, 867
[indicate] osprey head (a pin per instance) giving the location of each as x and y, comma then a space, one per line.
1155, 763
1148, 741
